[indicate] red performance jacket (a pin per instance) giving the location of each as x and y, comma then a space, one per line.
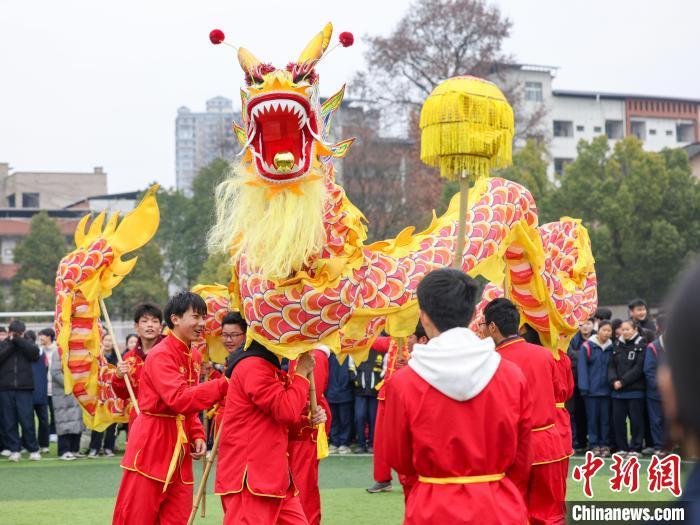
540, 370
264, 409
137, 358
170, 400
564, 391
431, 435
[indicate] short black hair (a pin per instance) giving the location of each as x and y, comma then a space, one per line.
147, 309
680, 341
605, 322
531, 336
234, 318
661, 322
129, 336
634, 303
30, 335
616, 323
48, 332
448, 296
179, 303
3, 329
603, 313
420, 331
504, 314
17, 326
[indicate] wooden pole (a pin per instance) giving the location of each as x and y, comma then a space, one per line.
312, 392
462, 229
203, 483
110, 329
204, 462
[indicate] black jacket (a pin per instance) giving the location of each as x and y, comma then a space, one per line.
627, 365
368, 374
16, 357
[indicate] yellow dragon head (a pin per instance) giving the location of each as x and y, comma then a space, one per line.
270, 210
285, 127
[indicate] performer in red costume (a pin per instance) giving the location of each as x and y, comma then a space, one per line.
157, 481
392, 363
264, 407
545, 499
458, 416
564, 391
148, 323
303, 450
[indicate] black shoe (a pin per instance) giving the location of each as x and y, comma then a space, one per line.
383, 486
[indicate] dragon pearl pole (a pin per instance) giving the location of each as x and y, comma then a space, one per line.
462, 228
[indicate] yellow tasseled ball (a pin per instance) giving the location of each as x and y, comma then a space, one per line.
467, 128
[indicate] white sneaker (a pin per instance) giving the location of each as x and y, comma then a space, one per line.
109, 453
5, 453
44, 450
92, 454
15, 456
35, 456
344, 450
67, 457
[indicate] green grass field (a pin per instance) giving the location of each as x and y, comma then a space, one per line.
82, 492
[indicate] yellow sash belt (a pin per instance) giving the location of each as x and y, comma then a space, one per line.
462, 479
180, 442
559, 405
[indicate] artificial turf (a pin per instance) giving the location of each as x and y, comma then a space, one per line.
82, 492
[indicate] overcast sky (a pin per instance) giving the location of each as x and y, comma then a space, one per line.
96, 83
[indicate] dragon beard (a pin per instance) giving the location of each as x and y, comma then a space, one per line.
277, 234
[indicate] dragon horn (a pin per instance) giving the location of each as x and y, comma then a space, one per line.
139, 225
247, 60
317, 45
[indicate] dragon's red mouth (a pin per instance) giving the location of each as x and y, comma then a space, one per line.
280, 133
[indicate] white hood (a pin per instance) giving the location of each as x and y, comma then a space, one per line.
457, 363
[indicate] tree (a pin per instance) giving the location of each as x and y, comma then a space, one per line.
217, 269
642, 211
143, 284
39, 253
185, 223
33, 295
387, 181
435, 40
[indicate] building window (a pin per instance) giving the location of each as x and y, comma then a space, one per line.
613, 129
639, 129
652, 132
559, 165
30, 200
579, 128
11, 201
669, 132
563, 128
533, 91
597, 129
685, 132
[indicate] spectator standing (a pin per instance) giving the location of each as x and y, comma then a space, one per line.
16, 392
593, 361
654, 353
3, 333
69, 417
639, 313
626, 379
577, 412
340, 398
47, 342
131, 341
40, 397
104, 441
366, 378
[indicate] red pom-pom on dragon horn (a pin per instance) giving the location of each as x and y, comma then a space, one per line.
346, 39
216, 36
